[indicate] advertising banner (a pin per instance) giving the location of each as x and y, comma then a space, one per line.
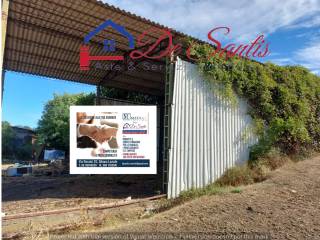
113, 139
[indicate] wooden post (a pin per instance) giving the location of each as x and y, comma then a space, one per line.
4, 18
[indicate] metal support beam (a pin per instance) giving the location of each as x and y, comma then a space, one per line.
170, 68
98, 101
4, 18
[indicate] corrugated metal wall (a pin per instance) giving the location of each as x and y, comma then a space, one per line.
207, 134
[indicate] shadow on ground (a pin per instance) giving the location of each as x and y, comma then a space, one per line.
80, 186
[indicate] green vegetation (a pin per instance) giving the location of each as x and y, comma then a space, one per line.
255, 171
285, 101
185, 196
24, 152
210, 189
131, 96
53, 127
235, 176
236, 190
13, 149
8, 137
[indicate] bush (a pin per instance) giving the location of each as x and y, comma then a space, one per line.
235, 176
283, 99
254, 171
272, 160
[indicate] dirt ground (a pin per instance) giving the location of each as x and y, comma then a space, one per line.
36, 194
287, 206
29, 194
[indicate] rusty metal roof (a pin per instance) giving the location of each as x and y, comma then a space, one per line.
44, 37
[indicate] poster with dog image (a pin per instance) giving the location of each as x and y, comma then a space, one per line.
113, 139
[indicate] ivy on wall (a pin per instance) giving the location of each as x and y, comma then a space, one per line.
284, 100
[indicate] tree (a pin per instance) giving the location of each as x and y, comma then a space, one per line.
53, 127
8, 137
24, 151
132, 96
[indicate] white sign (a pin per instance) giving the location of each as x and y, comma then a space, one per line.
113, 139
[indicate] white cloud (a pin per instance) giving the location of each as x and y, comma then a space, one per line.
283, 61
312, 21
247, 18
310, 56
317, 72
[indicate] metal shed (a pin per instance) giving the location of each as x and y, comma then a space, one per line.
43, 37
200, 135
206, 134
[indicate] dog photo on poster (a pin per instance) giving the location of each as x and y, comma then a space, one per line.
113, 139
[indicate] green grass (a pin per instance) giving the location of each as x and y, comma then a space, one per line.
185, 196
210, 189
236, 190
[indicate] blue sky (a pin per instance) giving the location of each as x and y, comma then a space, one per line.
25, 95
292, 28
